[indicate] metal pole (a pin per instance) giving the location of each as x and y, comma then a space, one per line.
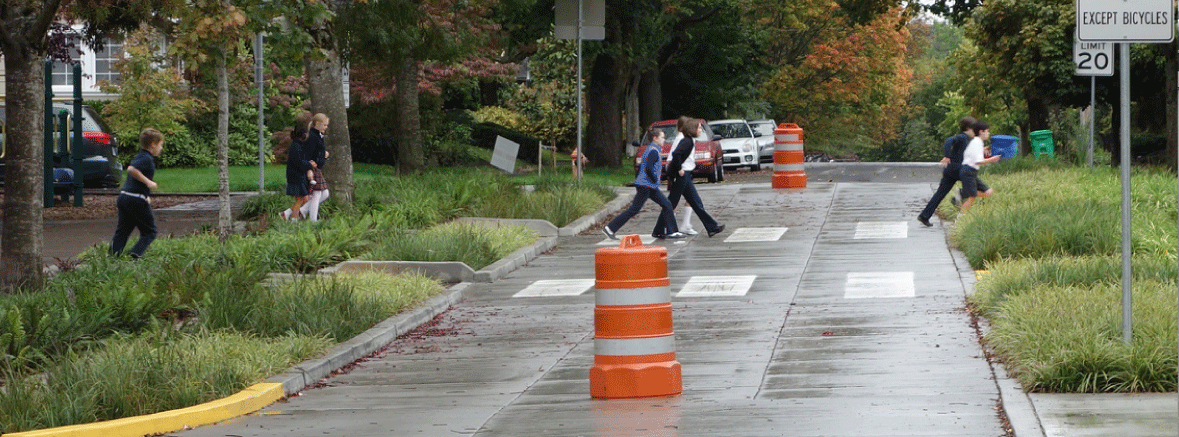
580, 17
1092, 117
76, 163
261, 114
1125, 156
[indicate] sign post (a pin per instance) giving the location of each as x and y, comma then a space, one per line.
579, 20
1125, 22
1093, 59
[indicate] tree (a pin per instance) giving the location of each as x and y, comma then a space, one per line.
848, 82
149, 93
24, 42
210, 30
957, 11
324, 67
410, 36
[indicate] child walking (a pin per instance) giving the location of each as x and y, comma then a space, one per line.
133, 203
647, 187
319, 186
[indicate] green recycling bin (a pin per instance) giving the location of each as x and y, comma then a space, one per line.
1042, 143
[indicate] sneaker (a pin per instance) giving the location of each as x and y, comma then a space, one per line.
659, 236
676, 235
719, 229
606, 230
286, 215
957, 199
924, 221
690, 232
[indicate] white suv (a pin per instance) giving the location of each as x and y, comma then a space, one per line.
738, 142
765, 143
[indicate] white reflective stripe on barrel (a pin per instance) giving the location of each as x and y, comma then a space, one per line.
632, 296
789, 167
786, 137
634, 346
789, 147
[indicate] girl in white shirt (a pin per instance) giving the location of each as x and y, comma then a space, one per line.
972, 159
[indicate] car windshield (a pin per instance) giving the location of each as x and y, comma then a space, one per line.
763, 128
668, 134
731, 130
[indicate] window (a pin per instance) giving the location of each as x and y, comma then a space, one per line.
105, 59
62, 71
97, 65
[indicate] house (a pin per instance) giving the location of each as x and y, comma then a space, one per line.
97, 65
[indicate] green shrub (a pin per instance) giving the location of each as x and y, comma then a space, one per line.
1050, 238
473, 244
1069, 339
147, 374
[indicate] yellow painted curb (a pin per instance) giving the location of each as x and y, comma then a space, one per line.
241, 403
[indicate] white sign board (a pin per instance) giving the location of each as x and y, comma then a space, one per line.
1093, 58
504, 155
1128, 21
593, 19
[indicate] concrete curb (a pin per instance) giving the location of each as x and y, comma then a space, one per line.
578, 226
306, 373
1021, 413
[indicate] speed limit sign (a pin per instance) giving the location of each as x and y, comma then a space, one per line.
1093, 58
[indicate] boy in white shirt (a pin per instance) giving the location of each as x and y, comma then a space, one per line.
972, 159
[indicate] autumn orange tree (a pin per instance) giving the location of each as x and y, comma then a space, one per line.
842, 81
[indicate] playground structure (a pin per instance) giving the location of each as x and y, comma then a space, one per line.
64, 134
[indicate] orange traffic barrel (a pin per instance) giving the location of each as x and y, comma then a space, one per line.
634, 343
788, 157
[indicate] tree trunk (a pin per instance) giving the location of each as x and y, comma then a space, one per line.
1037, 119
410, 157
325, 77
634, 124
21, 243
650, 97
1171, 90
604, 97
224, 216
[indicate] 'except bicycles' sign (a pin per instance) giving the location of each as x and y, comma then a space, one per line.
1128, 21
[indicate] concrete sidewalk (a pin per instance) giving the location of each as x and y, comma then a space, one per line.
823, 311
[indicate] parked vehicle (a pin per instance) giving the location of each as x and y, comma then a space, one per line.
708, 152
100, 146
765, 142
738, 142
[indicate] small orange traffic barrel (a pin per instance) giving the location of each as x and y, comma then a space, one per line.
788, 157
634, 343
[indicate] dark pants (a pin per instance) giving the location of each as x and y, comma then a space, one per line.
683, 186
641, 196
134, 213
949, 178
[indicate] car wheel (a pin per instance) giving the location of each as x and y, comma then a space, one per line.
712, 175
720, 171
755, 167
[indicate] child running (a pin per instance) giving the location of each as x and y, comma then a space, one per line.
972, 159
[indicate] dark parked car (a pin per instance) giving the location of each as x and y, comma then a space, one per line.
100, 166
709, 156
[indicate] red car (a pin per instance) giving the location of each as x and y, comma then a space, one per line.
709, 155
